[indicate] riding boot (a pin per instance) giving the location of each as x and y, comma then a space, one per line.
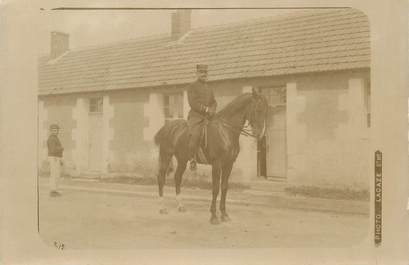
193, 164
192, 155
194, 143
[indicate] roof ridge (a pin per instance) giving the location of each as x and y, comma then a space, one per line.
296, 13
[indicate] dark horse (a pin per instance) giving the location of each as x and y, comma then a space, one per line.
221, 148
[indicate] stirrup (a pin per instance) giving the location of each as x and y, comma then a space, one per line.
193, 165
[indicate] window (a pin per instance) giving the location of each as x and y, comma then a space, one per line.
95, 105
276, 95
173, 106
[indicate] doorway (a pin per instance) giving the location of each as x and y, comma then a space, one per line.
272, 148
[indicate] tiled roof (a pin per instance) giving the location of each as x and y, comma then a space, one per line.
310, 41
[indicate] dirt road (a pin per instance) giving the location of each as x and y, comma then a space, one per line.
84, 220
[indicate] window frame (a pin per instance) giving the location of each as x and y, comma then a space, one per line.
173, 106
96, 105
280, 90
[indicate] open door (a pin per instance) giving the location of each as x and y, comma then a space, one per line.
272, 149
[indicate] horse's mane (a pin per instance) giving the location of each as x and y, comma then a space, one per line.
234, 105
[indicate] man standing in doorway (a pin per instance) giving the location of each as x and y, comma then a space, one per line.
55, 151
203, 106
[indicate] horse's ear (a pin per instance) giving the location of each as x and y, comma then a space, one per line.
256, 92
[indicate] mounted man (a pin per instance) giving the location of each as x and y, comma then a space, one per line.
203, 106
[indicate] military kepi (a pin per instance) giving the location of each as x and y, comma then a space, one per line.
201, 67
54, 126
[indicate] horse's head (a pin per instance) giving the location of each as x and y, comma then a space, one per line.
257, 113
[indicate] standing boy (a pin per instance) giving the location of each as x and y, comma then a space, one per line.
55, 151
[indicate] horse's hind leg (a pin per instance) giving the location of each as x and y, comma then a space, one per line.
225, 185
164, 159
181, 167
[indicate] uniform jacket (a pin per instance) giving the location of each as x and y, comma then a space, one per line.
54, 146
200, 96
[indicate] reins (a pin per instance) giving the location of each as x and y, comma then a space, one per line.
246, 131
242, 130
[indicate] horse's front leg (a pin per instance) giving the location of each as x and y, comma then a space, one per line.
216, 171
226, 171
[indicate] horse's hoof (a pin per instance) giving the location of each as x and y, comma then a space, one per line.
163, 211
181, 209
214, 220
225, 218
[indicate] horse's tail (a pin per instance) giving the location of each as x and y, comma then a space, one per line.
158, 138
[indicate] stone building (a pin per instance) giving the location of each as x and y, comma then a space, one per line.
313, 66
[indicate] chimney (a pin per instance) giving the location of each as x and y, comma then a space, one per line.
59, 44
180, 23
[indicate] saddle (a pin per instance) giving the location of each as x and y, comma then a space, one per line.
201, 156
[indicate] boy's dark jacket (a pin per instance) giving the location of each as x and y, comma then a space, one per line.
54, 146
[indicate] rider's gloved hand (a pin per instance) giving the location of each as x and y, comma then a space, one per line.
210, 112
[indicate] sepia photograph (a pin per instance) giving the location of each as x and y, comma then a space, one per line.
229, 129
243, 132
